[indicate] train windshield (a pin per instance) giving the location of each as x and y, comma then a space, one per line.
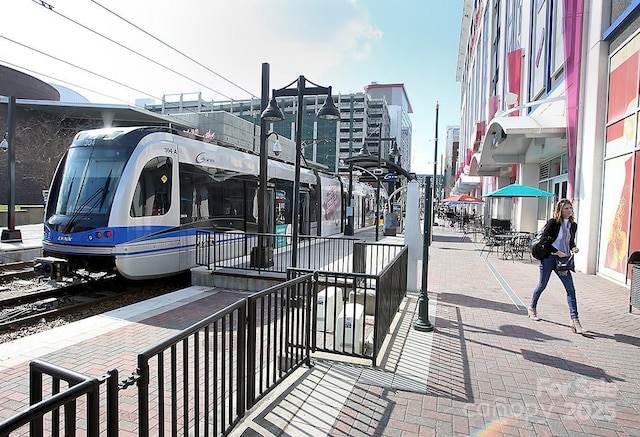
84, 187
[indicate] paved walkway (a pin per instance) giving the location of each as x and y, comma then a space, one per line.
486, 369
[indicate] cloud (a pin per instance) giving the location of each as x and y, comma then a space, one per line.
359, 37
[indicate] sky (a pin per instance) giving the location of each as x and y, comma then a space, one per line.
346, 44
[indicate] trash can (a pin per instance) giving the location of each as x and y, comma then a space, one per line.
634, 297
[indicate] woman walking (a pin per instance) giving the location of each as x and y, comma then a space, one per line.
561, 231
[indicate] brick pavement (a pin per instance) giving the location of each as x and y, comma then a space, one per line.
110, 341
485, 370
491, 370
494, 370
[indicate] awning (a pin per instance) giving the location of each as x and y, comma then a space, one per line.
466, 183
507, 139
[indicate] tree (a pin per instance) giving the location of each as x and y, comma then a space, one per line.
40, 140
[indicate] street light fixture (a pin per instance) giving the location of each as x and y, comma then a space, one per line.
272, 112
4, 144
277, 147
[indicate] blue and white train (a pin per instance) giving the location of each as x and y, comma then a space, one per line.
130, 200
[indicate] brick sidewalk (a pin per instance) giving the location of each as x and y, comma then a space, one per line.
494, 370
485, 370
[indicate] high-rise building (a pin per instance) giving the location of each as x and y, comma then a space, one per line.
379, 112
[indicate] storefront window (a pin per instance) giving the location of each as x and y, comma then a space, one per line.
553, 178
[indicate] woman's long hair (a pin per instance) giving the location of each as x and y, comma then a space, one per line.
557, 212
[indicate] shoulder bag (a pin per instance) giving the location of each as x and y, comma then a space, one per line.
565, 263
540, 246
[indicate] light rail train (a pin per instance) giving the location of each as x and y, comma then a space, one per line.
130, 200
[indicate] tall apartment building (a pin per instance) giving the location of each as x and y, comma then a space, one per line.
398, 109
381, 111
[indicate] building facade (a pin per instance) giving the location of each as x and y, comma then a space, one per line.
550, 99
382, 110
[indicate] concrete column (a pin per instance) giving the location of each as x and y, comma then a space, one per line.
413, 237
587, 202
527, 207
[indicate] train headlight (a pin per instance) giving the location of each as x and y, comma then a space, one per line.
96, 236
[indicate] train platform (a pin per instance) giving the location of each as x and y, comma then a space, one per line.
485, 369
26, 250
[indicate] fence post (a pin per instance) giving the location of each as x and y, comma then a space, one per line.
113, 425
359, 257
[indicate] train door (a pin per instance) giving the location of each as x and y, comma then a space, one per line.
187, 194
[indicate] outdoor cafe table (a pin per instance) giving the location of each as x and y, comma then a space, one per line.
510, 244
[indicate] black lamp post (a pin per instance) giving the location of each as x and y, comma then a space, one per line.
365, 152
11, 234
349, 228
379, 182
272, 112
435, 161
422, 323
394, 154
261, 259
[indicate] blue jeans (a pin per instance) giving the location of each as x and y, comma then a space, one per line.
547, 266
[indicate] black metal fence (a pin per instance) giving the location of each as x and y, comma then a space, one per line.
271, 252
80, 403
202, 380
353, 312
279, 334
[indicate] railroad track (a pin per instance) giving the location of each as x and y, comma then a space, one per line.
19, 270
31, 308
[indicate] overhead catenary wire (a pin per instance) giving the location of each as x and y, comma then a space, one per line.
51, 8
81, 68
62, 81
173, 48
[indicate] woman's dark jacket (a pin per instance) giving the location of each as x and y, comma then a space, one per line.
551, 230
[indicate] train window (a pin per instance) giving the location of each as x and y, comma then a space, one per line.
152, 195
85, 183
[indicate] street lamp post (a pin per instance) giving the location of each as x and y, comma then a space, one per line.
328, 111
379, 181
261, 258
422, 323
435, 160
349, 229
11, 234
365, 152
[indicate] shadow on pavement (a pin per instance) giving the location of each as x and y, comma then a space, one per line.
570, 365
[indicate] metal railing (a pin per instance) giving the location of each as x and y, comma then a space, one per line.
202, 380
271, 252
205, 378
237, 250
194, 382
353, 312
279, 334
80, 404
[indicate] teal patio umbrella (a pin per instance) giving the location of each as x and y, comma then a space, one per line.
517, 190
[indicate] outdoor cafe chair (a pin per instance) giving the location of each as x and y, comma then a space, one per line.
521, 246
491, 242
